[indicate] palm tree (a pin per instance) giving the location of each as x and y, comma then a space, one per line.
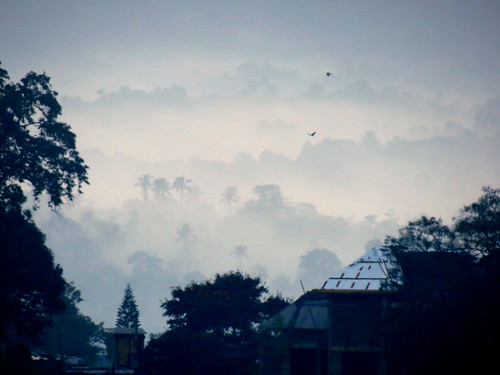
180, 184
145, 184
161, 187
229, 196
240, 252
186, 236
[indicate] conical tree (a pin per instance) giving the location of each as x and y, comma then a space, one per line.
128, 313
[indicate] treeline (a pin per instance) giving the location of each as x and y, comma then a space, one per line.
446, 318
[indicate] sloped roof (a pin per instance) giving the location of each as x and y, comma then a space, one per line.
308, 312
368, 272
365, 275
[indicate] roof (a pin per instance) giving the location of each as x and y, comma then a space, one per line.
125, 331
368, 272
364, 276
309, 312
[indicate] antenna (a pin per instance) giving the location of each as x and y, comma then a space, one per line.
302, 285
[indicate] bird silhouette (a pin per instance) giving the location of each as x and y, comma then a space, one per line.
328, 74
312, 134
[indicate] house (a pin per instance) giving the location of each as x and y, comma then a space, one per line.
335, 329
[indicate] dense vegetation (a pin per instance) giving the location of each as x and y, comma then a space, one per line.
446, 320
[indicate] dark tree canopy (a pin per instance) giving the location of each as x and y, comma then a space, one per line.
35, 148
82, 337
424, 234
206, 320
31, 285
38, 154
478, 224
446, 320
128, 312
476, 230
231, 301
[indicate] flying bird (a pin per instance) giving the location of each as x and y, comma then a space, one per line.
328, 74
312, 134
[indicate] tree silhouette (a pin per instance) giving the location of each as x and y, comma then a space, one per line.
477, 226
208, 318
186, 236
230, 196
269, 200
35, 148
128, 313
317, 266
145, 184
31, 283
180, 184
161, 188
87, 338
425, 234
240, 252
37, 153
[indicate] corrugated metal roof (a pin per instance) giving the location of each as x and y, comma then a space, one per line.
368, 272
365, 275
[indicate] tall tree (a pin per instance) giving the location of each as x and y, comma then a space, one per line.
228, 305
186, 236
128, 312
180, 184
425, 234
145, 183
161, 188
31, 284
230, 196
477, 225
35, 147
208, 318
269, 195
38, 154
317, 266
448, 303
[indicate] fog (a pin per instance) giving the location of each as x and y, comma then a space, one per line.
225, 94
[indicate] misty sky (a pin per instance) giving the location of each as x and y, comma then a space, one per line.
224, 93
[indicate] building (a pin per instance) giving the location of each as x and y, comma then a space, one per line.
335, 329
125, 346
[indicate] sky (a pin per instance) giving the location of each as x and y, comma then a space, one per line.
225, 94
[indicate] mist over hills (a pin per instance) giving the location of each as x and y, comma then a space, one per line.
357, 193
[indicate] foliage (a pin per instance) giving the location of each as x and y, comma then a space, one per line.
186, 236
145, 183
180, 184
161, 188
230, 196
315, 265
475, 230
424, 234
128, 312
446, 318
31, 285
227, 305
36, 148
477, 226
208, 319
75, 334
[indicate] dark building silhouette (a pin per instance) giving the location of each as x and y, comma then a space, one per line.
335, 329
125, 346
